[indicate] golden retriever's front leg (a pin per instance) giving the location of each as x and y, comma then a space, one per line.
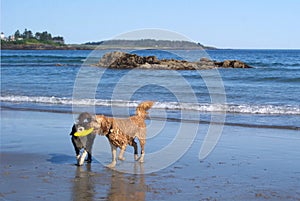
121, 155
114, 156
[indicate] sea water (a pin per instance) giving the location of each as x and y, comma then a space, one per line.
267, 95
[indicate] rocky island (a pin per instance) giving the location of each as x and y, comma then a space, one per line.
123, 60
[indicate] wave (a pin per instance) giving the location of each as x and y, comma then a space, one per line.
44, 64
278, 79
274, 64
43, 56
197, 107
39, 60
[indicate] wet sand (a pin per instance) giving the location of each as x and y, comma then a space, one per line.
38, 163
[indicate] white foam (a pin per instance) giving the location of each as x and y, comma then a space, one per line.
202, 107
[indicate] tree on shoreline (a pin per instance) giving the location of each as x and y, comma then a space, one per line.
17, 34
38, 36
27, 34
44, 36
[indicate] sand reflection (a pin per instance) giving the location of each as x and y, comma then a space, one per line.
108, 184
84, 187
128, 186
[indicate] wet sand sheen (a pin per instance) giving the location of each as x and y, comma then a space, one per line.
249, 124
37, 162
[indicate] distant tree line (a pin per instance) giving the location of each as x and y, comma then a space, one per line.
148, 43
41, 36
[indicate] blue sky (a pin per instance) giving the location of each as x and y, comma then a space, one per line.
266, 24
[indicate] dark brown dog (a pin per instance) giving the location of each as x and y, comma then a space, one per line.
85, 142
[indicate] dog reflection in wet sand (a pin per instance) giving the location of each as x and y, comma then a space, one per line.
128, 187
120, 132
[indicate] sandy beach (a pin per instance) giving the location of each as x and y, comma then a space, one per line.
38, 163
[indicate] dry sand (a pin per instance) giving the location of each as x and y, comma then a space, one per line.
38, 163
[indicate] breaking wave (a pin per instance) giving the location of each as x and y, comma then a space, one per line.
202, 107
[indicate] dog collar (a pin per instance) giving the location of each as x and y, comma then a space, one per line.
84, 132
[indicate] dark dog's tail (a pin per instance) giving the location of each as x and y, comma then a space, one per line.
142, 108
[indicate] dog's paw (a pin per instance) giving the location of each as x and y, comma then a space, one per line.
121, 158
79, 163
141, 160
112, 164
77, 159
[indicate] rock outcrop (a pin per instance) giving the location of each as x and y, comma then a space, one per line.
122, 60
231, 64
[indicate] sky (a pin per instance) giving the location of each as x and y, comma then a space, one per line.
255, 24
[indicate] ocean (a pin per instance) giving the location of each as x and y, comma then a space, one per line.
64, 81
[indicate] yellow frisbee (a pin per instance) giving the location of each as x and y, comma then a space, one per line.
84, 132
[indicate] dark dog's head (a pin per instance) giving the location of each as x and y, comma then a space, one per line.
83, 122
99, 123
86, 121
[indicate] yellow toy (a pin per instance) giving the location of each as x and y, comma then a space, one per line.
83, 133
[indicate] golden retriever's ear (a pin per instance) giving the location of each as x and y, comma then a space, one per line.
105, 124
98, 118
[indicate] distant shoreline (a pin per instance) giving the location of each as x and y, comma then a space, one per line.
44, 47
110, 44
91, 47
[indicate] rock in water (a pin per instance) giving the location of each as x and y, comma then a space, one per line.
122, 60
232, 64
110, 58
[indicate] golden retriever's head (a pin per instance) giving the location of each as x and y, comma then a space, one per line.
104, 124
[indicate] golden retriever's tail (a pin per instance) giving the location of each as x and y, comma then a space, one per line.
142, 108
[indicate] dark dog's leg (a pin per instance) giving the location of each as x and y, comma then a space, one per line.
82, 157
134, 144
89, 146
76, 145
89, 158
142, 143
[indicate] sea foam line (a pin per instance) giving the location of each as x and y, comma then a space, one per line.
201, 107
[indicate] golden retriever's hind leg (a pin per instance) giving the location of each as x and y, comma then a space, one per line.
142, 143
114, 156
121, 155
